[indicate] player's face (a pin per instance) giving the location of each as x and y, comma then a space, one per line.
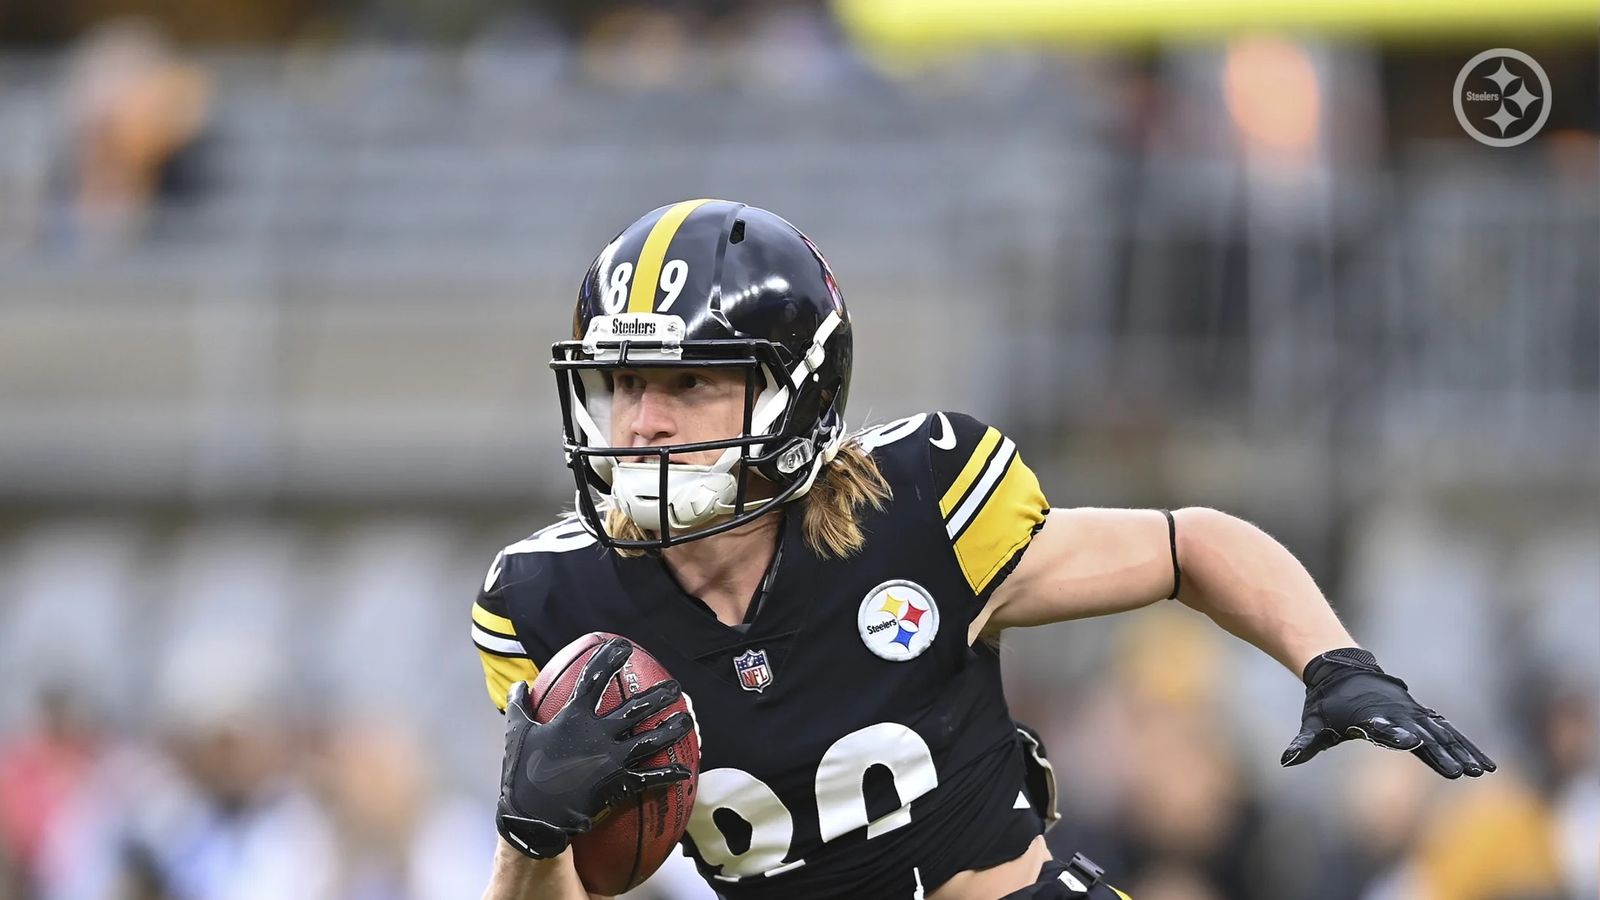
652, 407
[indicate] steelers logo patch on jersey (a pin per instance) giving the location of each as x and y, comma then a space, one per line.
898, 620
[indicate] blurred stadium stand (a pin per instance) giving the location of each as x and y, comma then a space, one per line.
260, 436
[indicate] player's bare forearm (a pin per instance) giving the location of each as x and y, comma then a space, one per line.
517, 877
1092, 562
1251, 585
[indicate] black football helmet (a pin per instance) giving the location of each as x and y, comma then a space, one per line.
705, 283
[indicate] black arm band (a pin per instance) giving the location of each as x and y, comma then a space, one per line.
1172, 543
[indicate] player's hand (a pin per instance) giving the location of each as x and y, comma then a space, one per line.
559, 777
1349, 696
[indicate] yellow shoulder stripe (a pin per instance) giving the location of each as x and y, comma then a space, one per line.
501, 672
642, 296
491, 622
969, 472
1002, 526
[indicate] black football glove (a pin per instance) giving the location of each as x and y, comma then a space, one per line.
559, 777
1349, 696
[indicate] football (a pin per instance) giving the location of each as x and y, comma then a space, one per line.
630, 842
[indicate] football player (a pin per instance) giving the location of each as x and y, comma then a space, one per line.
831, 602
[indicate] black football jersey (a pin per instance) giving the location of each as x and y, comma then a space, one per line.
853, 743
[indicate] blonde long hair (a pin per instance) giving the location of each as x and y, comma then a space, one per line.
847, 485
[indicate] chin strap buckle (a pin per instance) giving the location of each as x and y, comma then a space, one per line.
793, 458
1082, 873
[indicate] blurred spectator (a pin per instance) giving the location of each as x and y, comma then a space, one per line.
1569, 733
1494, 841
1181, 819
396, 836
39, 772
1379, 812
212, 812
137, 115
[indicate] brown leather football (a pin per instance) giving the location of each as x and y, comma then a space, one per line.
631, 841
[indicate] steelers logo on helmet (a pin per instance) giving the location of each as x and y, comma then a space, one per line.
898, 620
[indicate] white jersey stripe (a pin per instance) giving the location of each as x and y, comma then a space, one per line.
558, 538
980, 491
495, 644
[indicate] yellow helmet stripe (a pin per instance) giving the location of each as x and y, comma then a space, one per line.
642, 297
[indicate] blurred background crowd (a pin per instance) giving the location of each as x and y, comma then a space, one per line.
278, 282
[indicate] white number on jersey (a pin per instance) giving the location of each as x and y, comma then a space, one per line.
771, 826
841, 799
889, 432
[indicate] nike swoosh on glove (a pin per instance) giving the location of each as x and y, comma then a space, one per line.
1349, 696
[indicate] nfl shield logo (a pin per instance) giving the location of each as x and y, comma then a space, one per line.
754, 673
